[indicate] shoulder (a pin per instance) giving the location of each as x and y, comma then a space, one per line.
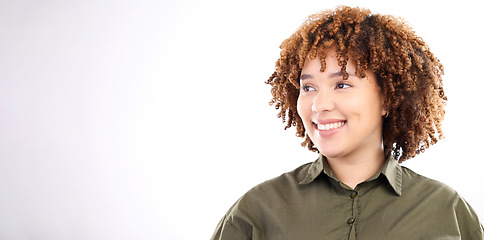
270, 190
285, 180
443, 201
256, 207
284, 184
437, 194
413, 181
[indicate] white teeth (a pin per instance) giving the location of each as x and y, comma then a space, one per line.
326, 127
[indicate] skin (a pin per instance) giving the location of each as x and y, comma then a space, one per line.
354, 150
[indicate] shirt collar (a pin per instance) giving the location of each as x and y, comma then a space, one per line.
391, 170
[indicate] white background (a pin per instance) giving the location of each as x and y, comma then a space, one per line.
149, 119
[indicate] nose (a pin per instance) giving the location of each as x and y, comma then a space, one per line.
323, 102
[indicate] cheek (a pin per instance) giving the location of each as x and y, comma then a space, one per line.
350, 105
364, 108
354, 109
304, 108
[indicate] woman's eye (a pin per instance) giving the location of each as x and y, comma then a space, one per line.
307, 88
342, 85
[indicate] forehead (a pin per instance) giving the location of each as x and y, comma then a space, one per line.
313, 69
330, 63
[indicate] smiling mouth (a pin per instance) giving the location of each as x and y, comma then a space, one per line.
329, 126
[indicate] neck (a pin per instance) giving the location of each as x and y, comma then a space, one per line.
353, 171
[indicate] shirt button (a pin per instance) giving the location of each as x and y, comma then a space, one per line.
351, 221
353, 194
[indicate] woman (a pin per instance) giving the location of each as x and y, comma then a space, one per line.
366, 93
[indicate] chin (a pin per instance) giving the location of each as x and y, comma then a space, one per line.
334, 147
331, 153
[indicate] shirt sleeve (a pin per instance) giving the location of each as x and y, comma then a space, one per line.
227, 231
240, 222
478, 234
468, 222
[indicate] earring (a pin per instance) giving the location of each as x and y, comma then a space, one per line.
386, 114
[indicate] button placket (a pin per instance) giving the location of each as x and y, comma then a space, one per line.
353, 196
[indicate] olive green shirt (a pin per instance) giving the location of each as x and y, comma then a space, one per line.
311, 203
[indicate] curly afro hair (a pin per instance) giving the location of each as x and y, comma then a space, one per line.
408, 74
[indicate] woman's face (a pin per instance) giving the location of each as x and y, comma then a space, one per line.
343, 118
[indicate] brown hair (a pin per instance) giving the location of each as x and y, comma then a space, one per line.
408, 74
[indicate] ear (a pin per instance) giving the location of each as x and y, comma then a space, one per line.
384, 110
385, 113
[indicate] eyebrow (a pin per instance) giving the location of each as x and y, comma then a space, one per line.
332, 75
305, 76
